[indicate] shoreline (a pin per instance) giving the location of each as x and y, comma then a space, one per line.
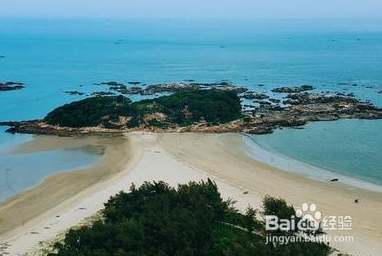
236, 168
56, 188
181, 157
310, 171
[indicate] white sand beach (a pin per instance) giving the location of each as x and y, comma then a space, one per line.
179, 158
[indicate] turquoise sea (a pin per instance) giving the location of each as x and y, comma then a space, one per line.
55, 55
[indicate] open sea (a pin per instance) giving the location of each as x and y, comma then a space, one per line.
55, 55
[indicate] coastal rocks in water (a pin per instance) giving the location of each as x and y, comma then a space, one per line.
152, 89
260, 130
111, 83
40, 127
216, 84
266, 103
99, 94
2, 56
303, 107
115, 86
132, 90
301, 88
134, 83
169, 87
233, 89
314, 98
177, 87
11, 86
257, 96
275, 100
74, 93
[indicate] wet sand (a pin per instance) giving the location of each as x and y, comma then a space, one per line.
225, 156
55, 189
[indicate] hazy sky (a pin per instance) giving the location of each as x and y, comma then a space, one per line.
193, 8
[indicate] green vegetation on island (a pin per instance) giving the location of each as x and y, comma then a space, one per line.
181, 108
192, 220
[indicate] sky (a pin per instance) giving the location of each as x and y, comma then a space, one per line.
192, 8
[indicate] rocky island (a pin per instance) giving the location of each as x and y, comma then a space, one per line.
11, 86
170, 87
296, 89
198, 110
74, 93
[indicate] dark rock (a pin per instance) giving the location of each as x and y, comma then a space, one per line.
11, 86
12, 130
350, 94
314, 98
260, 130
275, 100
264, 103
169, 87
112, 83
257, 96
34, 127
132, 90
333, 180
234, 89
118, 87
293, 89
74, 93
98, 94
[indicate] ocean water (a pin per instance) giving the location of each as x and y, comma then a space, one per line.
19, 172
342, 149
55, 55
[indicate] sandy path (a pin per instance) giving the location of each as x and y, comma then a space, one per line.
148, 162
179, 158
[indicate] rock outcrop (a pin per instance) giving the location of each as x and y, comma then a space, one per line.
11, 86
296, 89
74, 93
170, 87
